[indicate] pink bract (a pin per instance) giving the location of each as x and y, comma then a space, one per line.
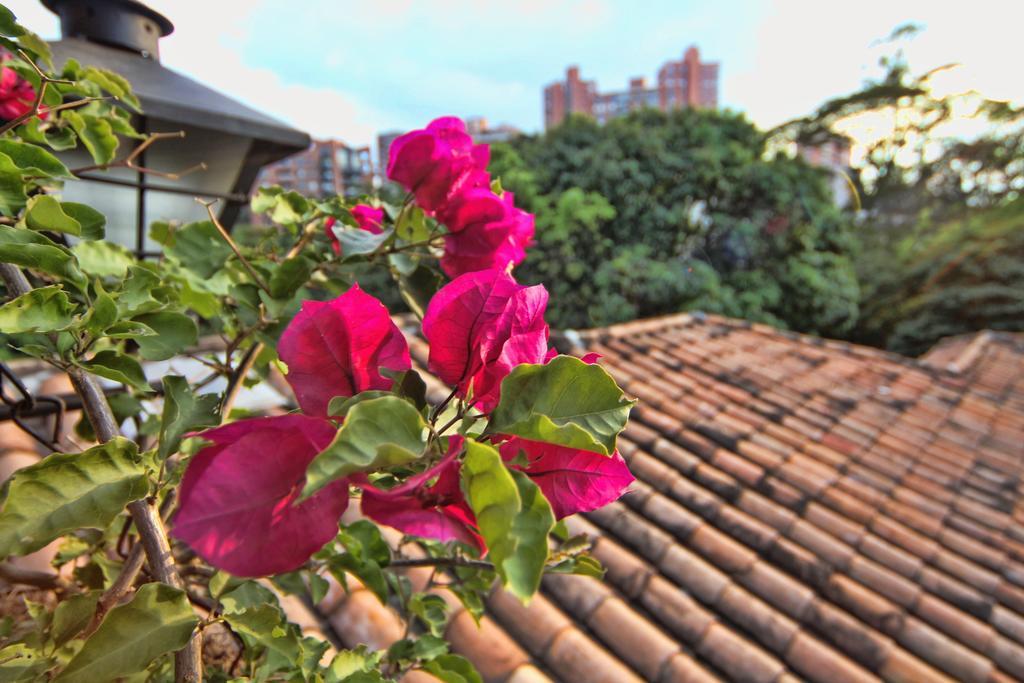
480, 326
337, 348
491, 234
429, 504
238, 509
368, 218
16, 95
329, 231
572, 480
436, 161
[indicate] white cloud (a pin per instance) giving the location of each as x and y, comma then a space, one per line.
207, 46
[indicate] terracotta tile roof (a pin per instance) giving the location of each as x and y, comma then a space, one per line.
804, 510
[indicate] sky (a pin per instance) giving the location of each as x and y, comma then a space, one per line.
346, 69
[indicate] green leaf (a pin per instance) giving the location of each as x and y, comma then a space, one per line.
12, 187
413, 225
136, 295
245, 595
29, 249
363, 539
289, 276
531, 528
453, 669
47, 309
582, 564
128, 329
103, 313
103, 259
289, 208
158, 620
92, 221
265, 198
494, 498
349, 662
32, 43
174, 332
200, 248
68, 491
8, 24
340, 405
44, 213
265, 627
113, 83
513, 516
566, 402
72, 615
19, 662
33, 159
184, 412
357, 242
381, 432
95, 133
118, 367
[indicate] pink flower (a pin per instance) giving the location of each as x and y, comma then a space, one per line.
329, 230
238, 509
368, 218
480, 326
337, 348
497, 239
485, 231
429, 504
437, 161
16, 95
572, 480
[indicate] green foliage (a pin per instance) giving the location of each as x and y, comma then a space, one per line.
31, 250
118, 367
69, 491
47, 309
174, 333
939, 232
379, 432
184, 411
565, 401
157, 620
513, 517
960, 276
657, 213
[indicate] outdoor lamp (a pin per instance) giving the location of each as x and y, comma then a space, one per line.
230, 139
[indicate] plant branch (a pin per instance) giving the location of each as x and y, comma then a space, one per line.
129, 572
31, 577
234, 247
237, 379
187, 662
129, 161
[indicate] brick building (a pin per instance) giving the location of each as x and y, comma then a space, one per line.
328, 167
688, 82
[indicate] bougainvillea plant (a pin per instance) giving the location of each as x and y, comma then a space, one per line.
180, 514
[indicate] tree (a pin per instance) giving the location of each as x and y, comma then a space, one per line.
703, 218
939, 253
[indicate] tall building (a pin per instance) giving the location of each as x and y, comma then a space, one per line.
688, 82
327, 167
384, 141
483, 133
